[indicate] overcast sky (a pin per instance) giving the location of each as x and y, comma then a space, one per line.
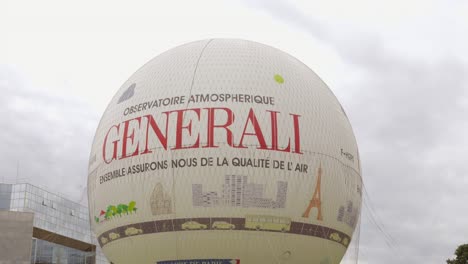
399, 68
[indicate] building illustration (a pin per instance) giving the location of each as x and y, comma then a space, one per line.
316, 201
160, 201
238, 192
348, 214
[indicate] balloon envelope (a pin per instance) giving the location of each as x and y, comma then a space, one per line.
224, 151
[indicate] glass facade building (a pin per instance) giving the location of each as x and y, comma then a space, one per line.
57, 216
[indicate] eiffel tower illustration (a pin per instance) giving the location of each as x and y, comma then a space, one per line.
316, 198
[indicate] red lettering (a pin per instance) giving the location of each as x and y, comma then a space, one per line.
211, 126
162, 138
114, 154
131, 143
297, 134
257, 131
274, 133
180, 127
126, 137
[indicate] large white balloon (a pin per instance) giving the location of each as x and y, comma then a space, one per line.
224, 151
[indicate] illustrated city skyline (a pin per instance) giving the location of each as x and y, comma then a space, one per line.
348, 214
238, 192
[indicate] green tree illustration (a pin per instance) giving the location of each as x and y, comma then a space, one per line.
122, 208
111, 211
119, 209
131, 207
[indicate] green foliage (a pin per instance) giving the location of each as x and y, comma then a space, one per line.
462, 255
120, 209
108, 214
131, 207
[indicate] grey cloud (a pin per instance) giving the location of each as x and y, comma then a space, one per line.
46, 136
404, 116
289, 13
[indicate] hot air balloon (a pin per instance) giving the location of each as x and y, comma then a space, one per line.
224, 151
